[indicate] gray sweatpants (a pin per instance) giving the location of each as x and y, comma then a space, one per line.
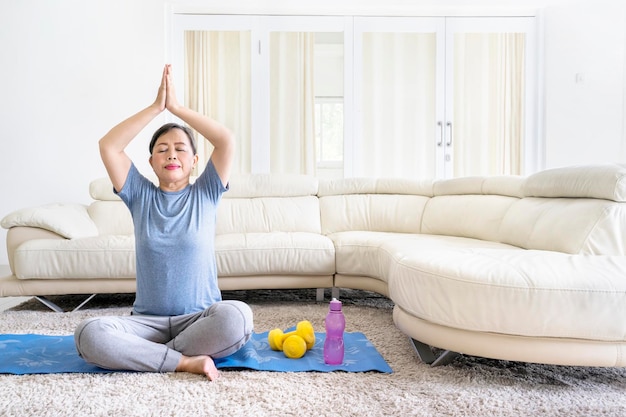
156, 344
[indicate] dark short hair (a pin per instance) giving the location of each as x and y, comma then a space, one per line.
166, 128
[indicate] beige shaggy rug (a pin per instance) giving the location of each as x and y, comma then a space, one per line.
469, 386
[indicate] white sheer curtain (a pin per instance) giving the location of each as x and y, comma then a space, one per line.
292, 103
398, 105
217, 83
399, 129
488, 103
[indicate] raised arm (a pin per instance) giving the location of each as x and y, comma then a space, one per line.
113, 144
217, 134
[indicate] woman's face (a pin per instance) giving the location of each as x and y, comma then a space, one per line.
173, 159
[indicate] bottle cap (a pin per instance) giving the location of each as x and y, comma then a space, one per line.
335, 305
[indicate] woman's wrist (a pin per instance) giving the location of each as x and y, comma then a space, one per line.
155, 109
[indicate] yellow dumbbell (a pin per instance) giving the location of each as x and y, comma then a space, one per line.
304, 333
294, 347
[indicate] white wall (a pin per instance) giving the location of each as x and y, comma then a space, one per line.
71, 69
584, 82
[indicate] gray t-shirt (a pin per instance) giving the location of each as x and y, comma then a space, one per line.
174, 243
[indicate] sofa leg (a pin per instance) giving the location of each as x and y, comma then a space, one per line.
52, 306
334, 293
426, 355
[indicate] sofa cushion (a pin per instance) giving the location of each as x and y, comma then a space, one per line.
240, 254
373, 204
570, 225
359, 253
372, 212
68, 220
505, 185
607, 181
271, 185
111, 217
471, 216
515, 292
397, 186
370, 254
268, 214
102, 188
276, 253
269, 203
91, 257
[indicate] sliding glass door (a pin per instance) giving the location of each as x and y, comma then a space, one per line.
303, 80
398, 73
490, 96
269, 79
365, 96
442, 97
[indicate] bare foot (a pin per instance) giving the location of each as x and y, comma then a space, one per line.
201, 365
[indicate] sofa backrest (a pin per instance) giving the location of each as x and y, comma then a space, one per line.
108, 212
577, 209
269, 202
571, 210
383, 205
253, 204
471, 207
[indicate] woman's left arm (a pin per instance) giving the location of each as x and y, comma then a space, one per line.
219, 135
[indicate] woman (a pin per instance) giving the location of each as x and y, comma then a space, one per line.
179, 321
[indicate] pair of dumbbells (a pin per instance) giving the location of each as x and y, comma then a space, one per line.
293, 344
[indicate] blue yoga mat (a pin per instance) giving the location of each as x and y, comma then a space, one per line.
42, 354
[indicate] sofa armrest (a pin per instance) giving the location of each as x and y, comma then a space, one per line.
68, 220
20, 234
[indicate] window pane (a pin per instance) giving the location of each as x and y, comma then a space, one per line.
306, 101
329, 96
330, 132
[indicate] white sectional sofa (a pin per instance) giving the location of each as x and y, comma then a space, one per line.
519, 268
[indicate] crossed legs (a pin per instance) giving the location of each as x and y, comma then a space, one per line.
165, 344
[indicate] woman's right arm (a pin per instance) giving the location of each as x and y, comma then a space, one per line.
113, 144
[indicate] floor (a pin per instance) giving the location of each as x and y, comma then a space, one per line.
8, 302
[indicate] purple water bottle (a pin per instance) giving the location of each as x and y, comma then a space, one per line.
335, 326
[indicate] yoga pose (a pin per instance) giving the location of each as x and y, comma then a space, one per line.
179, 321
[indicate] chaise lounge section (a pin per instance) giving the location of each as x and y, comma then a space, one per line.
517, 268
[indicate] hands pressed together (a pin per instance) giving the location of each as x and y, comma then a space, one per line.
166, 97
219, 136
